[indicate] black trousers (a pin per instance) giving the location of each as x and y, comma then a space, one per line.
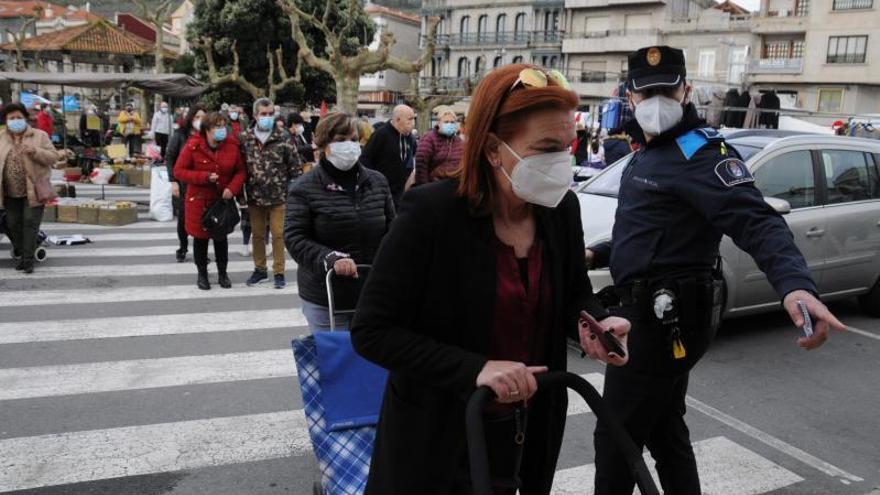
133, 141
180, 204
162, 143
221, 253
648, 396
23, 225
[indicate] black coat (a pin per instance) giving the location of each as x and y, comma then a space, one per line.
425, 314
615, 149
322, 218
382, 152
172, 151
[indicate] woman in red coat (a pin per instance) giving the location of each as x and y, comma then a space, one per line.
211, 166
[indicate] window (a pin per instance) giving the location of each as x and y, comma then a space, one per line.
479, 65
464, 67
847, 49
465, 25
830, 100
850, 176
500, 28
789, 177
518, 59
707, 63
777, 49
60, 65
519, 27
482, 27
498, 61
797, 49
853, 4
737, 65
802, 8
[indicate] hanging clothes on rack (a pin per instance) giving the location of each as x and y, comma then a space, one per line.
743, 104
752, 120
715, 113
731, 100
770, 101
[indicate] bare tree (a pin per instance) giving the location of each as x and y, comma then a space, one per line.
19, 38
423, 103
158, 16
346, 70
273, 84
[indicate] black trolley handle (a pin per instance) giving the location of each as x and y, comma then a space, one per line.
476, 438
331, 304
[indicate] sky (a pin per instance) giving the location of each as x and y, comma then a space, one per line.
752, 5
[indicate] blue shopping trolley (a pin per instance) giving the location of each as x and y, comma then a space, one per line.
342, 394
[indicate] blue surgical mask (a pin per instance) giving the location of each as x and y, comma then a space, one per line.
449, 128
266, 123
233, 115
16, 126
219, 134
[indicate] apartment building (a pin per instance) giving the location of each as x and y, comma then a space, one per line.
477, 35
386, 88
600, 34
819, 55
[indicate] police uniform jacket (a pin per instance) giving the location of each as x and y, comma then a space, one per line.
678, 195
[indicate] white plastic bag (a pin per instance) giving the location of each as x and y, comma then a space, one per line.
101, 176
160, 195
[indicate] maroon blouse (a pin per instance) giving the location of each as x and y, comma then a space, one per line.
523, 306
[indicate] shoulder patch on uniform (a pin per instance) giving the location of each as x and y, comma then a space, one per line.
691, 142
732, 172
711, 134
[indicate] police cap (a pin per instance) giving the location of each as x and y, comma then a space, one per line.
656, 66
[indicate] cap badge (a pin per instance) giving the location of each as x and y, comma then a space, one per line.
654, 56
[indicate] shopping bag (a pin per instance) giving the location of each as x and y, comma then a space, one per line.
352, 387
161, 208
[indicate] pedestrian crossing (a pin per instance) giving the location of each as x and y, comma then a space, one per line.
77, 323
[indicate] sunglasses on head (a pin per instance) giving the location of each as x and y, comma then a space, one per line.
537, 78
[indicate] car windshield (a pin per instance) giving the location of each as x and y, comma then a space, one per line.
608, 182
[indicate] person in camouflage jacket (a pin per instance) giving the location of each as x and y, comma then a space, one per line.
272, 163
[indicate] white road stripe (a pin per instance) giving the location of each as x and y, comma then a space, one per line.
725, 467
114, 376
90, 251
772, 441
79, 227
864, 333
13, 298
126, 271
34, 462
141, 326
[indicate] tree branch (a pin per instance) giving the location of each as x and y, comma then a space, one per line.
206, 45
305, 54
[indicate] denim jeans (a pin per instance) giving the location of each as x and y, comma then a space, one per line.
318, 318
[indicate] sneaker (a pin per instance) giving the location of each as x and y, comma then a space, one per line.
257, 277
246, 251
279, 281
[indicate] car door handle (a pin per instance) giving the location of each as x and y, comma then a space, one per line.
814, 232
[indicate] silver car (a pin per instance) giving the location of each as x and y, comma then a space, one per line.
826, 187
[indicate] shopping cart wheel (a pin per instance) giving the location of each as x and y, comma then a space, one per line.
317, 489
40, 254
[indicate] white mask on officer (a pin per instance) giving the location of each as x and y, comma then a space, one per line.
541, 179
659, 113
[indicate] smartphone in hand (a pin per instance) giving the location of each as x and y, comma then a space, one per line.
606, 337
808, 321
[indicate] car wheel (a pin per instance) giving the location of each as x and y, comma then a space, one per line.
870, 302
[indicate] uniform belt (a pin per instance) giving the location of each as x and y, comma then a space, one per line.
640, 291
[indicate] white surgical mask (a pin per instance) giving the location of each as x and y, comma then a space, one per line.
541, 179
344, 154
658, 114
197, 124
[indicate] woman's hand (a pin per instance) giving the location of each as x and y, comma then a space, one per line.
822, 318
175, 189
346, 267
227, 194
511, 381
589, 330
213, 177
28, 149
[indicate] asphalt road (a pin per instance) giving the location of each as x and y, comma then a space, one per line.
117, 376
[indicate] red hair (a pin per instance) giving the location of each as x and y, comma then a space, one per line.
495, 109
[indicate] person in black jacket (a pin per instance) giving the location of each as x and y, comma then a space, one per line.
479, 282
296, 125
616, 146
179, 138
392, 150
337, 214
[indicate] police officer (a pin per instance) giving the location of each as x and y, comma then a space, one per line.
681, 191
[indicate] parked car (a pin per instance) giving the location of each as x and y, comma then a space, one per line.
826, 187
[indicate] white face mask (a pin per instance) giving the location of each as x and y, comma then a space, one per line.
344, 154
541, 179
197, 124
658, 114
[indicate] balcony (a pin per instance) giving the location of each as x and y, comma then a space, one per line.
776, 66
598, 4
500, 39
446, 85
610, 41
782, 21
840, 5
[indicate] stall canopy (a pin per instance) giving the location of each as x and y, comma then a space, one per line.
173, 85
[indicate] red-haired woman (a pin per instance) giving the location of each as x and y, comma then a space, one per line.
479, 282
